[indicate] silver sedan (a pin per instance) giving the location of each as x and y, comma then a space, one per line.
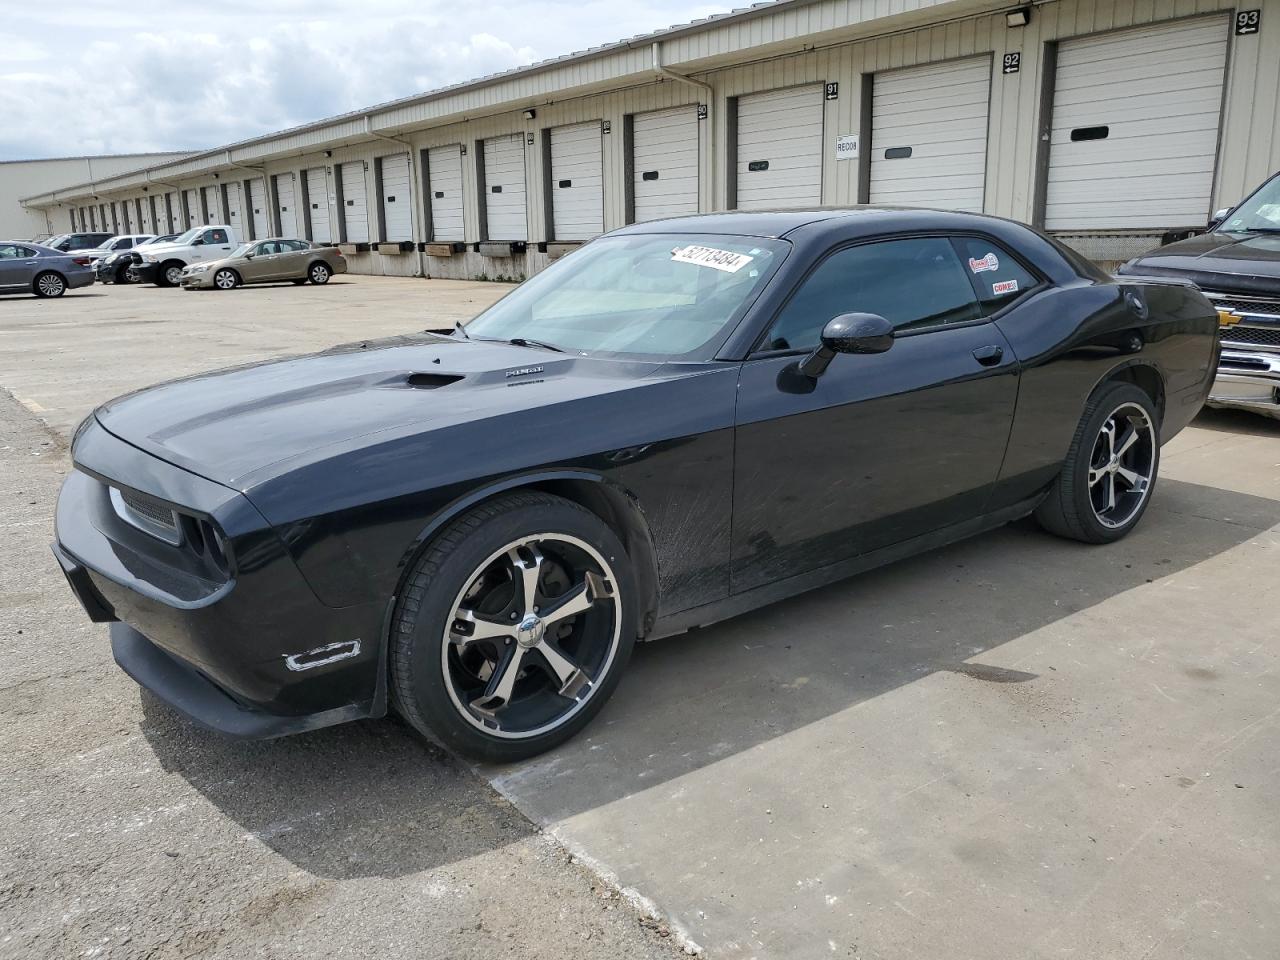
27, 267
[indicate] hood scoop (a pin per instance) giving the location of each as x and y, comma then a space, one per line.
431, 381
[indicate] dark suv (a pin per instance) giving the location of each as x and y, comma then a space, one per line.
79, 241
1237, 265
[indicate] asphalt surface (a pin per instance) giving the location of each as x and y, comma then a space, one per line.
1014, 747
129, 834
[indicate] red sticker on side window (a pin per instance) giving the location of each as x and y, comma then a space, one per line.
1004, 286
989, 262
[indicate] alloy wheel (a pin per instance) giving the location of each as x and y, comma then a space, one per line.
51, 285
530, 635
319, 274
173, 275
1121, 465
225, 280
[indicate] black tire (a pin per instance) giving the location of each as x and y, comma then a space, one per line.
1071, 508
319, 273
226, 279
299, 282
49, 284
427, 665
162, 273
123, 275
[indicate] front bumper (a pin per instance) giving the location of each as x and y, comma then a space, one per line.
197, 281
236, 652
146, 272
1247, 379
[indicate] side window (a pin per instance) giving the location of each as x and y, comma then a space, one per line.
9, 252
997, 277
913, 283
299, 245
268, 248
215, 236
124, 244
26, 253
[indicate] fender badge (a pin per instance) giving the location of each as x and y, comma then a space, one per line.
524, 371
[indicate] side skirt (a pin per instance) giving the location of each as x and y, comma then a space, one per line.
741, 603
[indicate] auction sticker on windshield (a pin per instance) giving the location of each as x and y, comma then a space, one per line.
717, 259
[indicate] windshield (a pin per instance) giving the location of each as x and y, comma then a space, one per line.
184, 239
54, 241
241, 250
666, 295
1261, 212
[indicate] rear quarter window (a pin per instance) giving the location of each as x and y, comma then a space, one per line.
996, 276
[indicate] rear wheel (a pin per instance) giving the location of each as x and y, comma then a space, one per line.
226, 279
319, 273
514, 627
1110, 470
49, 285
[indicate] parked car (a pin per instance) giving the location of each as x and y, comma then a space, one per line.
35, 268
267, 261
1237, 265
162, 264
116, 267
677, 423
67, 242
125, 241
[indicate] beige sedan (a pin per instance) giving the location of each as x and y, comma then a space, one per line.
266, 261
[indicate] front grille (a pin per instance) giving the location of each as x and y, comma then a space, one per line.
1264, 306
1256, 336
152, 509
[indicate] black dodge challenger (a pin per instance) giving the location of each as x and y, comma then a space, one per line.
677, 423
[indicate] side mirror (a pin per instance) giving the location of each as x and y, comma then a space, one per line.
848, 333
249, 255
1219, 217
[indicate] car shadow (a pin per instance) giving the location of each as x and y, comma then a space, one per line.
370, 798
1237, 421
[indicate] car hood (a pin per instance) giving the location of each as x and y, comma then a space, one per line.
245, 425
1218, 261
160, 248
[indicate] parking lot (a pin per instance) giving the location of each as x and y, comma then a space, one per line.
1014, 747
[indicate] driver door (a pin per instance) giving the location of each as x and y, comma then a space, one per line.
883, 447
214, 245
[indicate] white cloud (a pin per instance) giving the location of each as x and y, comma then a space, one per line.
123, 80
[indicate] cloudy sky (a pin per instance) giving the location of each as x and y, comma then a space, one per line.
90, 76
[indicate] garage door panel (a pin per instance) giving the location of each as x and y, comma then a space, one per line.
236, 211
318, 205
397, 207
355, 202
286, 204
444, 171
577, 181
1158, 90
506, 217
940, 112
258, 209
783, 128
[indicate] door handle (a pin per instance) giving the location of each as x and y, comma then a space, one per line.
989, 356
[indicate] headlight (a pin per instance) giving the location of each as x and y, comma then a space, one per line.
147, 257
200, 269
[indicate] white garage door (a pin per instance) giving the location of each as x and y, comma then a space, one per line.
212, 208
1135, 127
235, 211
929, 135
140, 210
444, 171
397, 207
193, 208
286, 203
664, 147
355, 206
504, 188
780, 148
172, 213
120, 224
318, 204
577, 181
153, 220
258, 209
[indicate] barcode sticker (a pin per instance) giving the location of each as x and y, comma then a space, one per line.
725, 260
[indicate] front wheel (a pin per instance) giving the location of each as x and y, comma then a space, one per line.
125, 274
1110, 470
514, 627
170, 274
319, 273
226, 279
49, 285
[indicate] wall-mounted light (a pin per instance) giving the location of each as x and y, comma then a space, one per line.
328, 153
1018, 18
530, 114
216, 176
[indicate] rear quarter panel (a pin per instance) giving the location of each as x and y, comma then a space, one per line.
1075, 337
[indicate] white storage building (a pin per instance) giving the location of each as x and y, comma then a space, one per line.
1113, 125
